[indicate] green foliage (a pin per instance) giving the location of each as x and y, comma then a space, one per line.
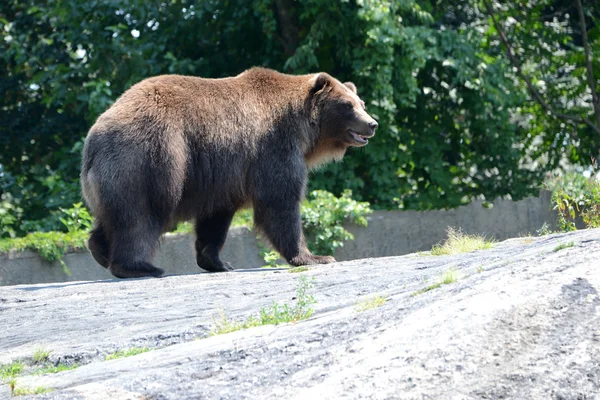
243, 218
184, 227
454, 121
544, 230
575, 196
273, 315
132, 351
52, 246
77, 218
10, 371
323, 216
546, 36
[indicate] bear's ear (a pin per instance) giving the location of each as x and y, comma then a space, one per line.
322, 81
350, 86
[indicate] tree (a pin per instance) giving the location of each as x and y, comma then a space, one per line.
548, 44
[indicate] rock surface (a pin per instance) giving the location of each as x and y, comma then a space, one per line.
521, 322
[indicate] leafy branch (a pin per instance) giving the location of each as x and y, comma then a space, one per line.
588, 61
534, 92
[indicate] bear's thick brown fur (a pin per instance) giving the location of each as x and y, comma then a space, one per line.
175, 148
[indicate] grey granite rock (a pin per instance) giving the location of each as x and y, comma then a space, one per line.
521, 322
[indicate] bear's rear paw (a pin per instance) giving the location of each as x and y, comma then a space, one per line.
137, 269
211, 265
310, 259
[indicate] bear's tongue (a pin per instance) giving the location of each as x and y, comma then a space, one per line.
357, 137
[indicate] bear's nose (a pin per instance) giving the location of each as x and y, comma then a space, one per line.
373, 125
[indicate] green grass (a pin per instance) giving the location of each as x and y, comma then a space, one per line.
370, 303
563, 246
298, 269
459, 242
127, 352
40, 356
273, 315
10, 371
449, 276
54, 369
29, 391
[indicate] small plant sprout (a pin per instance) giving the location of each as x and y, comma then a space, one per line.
10, 371
370, 303
449, 276
54, 369
298, 269
459, 242
480, 269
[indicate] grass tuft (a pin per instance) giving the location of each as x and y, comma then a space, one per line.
459, 242
274, 314
563, 246
40, 356
427, 288
370, 303
449, 276
133, 351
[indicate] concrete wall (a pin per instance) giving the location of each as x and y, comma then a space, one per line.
389, 233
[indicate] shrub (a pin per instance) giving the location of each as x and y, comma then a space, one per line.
573, 196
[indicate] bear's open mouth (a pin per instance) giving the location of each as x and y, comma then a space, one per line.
358, 138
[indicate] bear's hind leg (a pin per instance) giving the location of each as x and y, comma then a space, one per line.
133, 247
211, 233
99, 245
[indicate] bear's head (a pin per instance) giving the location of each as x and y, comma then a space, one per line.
340, 114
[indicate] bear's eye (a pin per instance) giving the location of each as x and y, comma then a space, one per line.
348, 106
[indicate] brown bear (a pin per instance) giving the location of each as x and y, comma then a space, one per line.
175, 148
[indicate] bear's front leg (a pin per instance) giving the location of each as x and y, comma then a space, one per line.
279, 182
282, 226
